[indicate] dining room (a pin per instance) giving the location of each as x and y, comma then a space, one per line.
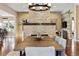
41, 29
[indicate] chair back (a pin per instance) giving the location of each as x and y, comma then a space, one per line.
56, 38
40, 51
63, 43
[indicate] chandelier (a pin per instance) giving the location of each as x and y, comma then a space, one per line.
39, 6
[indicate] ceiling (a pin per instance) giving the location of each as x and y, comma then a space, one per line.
55, 7
62, 7
4, 13
18, 7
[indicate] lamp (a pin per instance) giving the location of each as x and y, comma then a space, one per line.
39, 6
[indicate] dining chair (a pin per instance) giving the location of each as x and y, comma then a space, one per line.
56, 38
40, 51
61, 41
63, 44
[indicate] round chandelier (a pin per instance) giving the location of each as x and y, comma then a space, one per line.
39, 6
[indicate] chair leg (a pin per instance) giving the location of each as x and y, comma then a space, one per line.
22, 53
58, 53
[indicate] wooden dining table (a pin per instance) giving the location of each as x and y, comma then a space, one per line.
34, 42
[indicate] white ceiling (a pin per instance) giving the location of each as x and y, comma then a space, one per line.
18, 7
57, 7
4, 13
62, 7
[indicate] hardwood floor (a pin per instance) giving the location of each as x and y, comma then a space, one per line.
77, 48
68, 50
3, 51
0, 51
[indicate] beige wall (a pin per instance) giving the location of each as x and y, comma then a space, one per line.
46, 16
22, 15
54, 17
42, 29
77, 22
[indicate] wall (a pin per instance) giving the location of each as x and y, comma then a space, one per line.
77, 22
20, 16
56, 17
37, 17
42, 29
48, 17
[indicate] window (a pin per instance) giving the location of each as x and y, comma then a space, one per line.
9, 24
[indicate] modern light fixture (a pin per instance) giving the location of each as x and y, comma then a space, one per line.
39, 6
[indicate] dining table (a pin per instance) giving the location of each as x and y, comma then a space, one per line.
38, 42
